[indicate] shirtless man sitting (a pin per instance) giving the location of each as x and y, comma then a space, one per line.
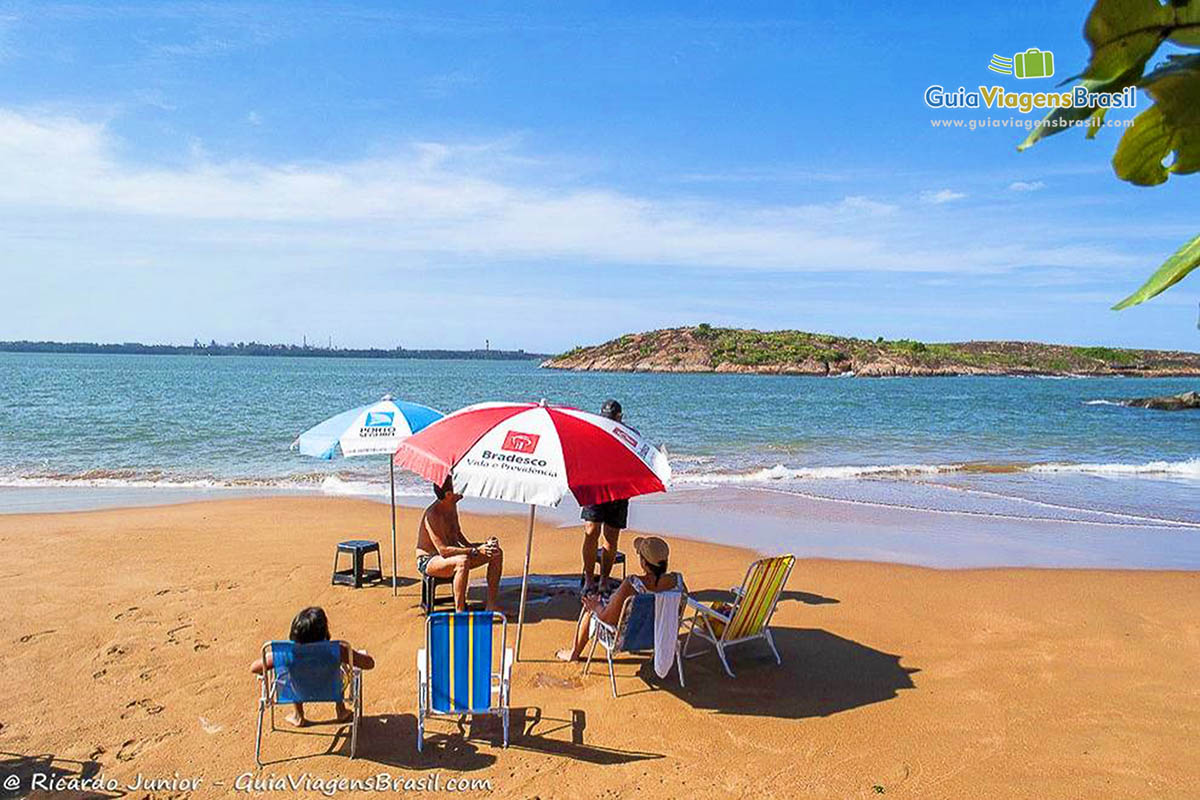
444, 552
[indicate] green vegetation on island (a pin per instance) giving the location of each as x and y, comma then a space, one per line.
707, 349
260, 349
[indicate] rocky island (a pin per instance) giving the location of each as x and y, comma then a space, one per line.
1172, 402
704, 348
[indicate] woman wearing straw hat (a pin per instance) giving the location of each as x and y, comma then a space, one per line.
653, 554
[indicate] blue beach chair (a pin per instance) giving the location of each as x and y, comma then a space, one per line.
307, 673
460, 672
633, 633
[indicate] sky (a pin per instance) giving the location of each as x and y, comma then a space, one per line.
546, 175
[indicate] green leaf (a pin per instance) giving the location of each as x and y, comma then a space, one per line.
1057, 121
1140, 153
1096, 123
1186, 259
1171, 126
1124, 35
1187, 18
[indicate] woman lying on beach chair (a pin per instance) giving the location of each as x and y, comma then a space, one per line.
653, 553
309, 626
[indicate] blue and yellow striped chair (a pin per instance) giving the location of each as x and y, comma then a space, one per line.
460, 672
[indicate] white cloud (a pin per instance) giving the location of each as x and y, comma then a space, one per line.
254, 118
435, 202
1026, 186
940, 196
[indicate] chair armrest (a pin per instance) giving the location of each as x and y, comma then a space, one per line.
737, 591
709, 611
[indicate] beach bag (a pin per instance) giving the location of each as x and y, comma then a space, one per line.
721, 607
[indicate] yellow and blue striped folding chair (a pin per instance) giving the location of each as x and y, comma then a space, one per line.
307, 673
747, 617
460, 671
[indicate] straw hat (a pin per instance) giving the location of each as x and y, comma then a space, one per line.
651, 548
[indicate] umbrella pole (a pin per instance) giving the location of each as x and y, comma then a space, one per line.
525, 580
392, 482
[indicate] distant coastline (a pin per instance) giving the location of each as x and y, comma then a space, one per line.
704, 348
260, 349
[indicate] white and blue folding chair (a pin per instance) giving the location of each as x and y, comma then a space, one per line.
460, 671
633, 633
307, 673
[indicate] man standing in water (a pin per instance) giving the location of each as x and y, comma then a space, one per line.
444, 552
602, 519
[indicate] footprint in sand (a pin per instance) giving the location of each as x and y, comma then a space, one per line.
145, 704
127, 612
95, 754
209, 727
99, 674
131, 748
29, 637
171, 633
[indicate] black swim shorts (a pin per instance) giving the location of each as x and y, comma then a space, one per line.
614, 513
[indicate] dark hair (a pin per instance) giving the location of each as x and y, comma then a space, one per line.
310, 625
610, 409
658, 570
445, 488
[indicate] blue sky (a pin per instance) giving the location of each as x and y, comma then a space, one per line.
546, 174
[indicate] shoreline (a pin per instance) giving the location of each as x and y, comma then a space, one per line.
765, 520
928, 683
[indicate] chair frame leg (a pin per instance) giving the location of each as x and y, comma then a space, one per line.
724, 661
771, 642
612, 675
258, 734
588, 664
358, 704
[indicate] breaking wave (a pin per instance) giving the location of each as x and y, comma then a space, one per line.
779, 472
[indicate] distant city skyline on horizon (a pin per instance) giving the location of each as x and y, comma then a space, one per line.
551, 177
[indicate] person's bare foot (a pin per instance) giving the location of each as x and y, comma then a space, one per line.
296, 719
344, 714
566, 655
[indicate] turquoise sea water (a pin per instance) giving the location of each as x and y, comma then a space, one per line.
998, 447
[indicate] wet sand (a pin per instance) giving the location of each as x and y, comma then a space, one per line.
129, 633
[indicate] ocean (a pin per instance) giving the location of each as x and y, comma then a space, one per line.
827, 464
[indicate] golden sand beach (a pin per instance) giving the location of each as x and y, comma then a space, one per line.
128, 635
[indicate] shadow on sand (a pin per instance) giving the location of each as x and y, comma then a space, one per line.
454, 743
808, 598
49, 768
821, 674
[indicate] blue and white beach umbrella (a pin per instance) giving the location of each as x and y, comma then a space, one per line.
375, 429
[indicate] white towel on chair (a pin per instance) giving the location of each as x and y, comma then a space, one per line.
666, 630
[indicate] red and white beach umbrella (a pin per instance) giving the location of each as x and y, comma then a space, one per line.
535, 453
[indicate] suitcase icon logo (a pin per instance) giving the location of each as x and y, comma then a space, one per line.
1033, 63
